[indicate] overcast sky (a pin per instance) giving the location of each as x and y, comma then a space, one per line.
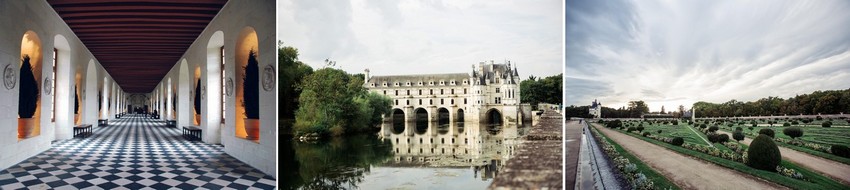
678, 52
391, 37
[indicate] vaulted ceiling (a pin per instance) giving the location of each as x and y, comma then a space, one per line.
137, 41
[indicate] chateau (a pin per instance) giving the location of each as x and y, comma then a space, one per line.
489, 94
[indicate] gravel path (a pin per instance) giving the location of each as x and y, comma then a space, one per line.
832, 169
685, 171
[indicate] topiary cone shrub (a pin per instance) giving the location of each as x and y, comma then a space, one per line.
251, 87
198, 97
793, 132
28, 91
840, 150
76, 101
768, 132
763, 154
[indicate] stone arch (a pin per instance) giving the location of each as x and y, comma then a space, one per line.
63, 80
493, 117
246, 42
89, 94
398, 121
30, 47
215, 99
443, 117
169, 105
460, 115
420, 118
184, 98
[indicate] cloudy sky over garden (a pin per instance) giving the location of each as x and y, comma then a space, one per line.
423, 37
678, 52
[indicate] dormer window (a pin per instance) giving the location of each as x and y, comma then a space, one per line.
396, 84
408, 83
464, 81
385, 84
442, 82
431, 83
453, 82
420, 83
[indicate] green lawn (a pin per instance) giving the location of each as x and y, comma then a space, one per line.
659, 180
820, 135
693, 137
814, 180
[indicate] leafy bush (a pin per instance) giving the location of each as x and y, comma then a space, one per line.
640, 128
616, 124
738, 129
738, 135
675, 122
793, 132
659, 131
763, 154
786, 124
722, 138
717, 138
826, 124
630, 129
678, 141
840, 150
751, 128
818, 118
768, 132
646, 134
702, 126
795, 123
713, 128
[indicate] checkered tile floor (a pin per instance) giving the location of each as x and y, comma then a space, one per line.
133, 153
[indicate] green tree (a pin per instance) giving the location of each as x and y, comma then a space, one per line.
332, 102
545, 90
292, 72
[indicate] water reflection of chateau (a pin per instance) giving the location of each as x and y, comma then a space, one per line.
475, 146
490, 94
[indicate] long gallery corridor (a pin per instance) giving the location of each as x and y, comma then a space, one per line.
133, 152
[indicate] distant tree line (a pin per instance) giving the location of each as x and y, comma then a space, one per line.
545, 90
818, 102
635, 109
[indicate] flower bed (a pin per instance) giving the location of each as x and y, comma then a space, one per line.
636, 178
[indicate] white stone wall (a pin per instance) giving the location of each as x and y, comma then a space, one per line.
16, 18
235, 16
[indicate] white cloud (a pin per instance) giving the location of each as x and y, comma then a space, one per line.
420, 37
679, 52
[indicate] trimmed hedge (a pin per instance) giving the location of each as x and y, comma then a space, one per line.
768, 132
763, 154
793, 132
840, 150
678, 141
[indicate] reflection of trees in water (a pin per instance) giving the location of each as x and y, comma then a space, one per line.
333, 164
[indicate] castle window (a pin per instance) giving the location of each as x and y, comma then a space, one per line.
385, 92
497, 90
464, 100
431, 83
420, 91
441, 101
441, 91
430, 102
396, 92
464, 91
396, 102
464, 81
452, 101
432, 92
442, 82
408, 83
407, 102
385, 84
453, 91
420, 83
408, 92
420, 101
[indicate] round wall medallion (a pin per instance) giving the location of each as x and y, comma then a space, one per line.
268, 78
48, 86
228, 86
9, 78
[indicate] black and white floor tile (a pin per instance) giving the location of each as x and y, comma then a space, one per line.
133, 153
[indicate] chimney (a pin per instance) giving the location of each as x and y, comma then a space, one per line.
366, 76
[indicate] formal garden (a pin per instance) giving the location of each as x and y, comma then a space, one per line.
703, 140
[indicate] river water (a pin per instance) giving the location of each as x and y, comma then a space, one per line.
402, 156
